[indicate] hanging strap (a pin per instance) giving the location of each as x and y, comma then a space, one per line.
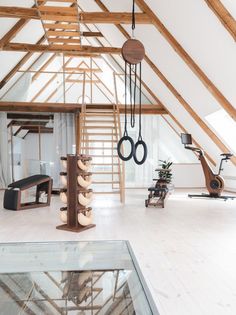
125, 135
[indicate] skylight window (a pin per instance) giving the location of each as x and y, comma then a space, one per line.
224, 126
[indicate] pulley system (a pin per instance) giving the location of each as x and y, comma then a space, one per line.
133, 53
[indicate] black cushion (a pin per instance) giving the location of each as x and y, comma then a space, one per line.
29, 181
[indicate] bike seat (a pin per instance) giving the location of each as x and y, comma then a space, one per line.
227, 155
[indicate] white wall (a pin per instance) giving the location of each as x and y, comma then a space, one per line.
188, 175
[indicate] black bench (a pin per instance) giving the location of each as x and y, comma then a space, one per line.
12, 196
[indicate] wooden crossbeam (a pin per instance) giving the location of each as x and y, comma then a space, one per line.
84, 55
38, 107
81, 81
76, 69
71, 107
67, 71
57, 10
62, 26
223, 15
91, 34
63, 33
188, 60
18, 12
83, 17
28, 116
76, 49
28, 123
113, 18
64, 40
73, 30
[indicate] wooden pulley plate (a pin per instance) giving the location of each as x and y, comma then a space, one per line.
133, 51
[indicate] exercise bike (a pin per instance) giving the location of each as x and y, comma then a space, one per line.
214, 182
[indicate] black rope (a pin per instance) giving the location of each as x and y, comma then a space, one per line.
140, 101
125, 128
130, 96
140, 141
133, 95
133, 15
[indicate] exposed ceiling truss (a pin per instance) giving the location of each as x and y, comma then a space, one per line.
71, 46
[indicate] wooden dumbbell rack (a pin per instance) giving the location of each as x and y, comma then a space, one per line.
72, 191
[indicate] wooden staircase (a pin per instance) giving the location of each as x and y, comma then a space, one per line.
99, 134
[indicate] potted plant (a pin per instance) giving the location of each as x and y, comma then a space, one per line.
164, 172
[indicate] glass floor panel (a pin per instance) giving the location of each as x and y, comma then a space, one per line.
72, 278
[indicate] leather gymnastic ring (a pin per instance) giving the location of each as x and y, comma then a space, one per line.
125, 138
143, 144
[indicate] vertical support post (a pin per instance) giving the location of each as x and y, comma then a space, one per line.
78, 132
121, 165
115, 89
112, 153
64, 78
83, 92
72, 221
91, 79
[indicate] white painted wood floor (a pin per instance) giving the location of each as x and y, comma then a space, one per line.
187, 251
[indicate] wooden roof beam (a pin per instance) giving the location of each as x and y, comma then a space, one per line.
223, 15
19, 12
188, 60
69, 107
75, 49
56, 14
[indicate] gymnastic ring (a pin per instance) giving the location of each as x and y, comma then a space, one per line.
143, 144
125, 138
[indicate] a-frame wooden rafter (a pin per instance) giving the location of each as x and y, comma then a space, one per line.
182, 101
223, 15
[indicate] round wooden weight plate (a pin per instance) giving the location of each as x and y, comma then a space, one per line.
133, 51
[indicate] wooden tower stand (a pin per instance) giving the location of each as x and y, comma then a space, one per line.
76, 185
